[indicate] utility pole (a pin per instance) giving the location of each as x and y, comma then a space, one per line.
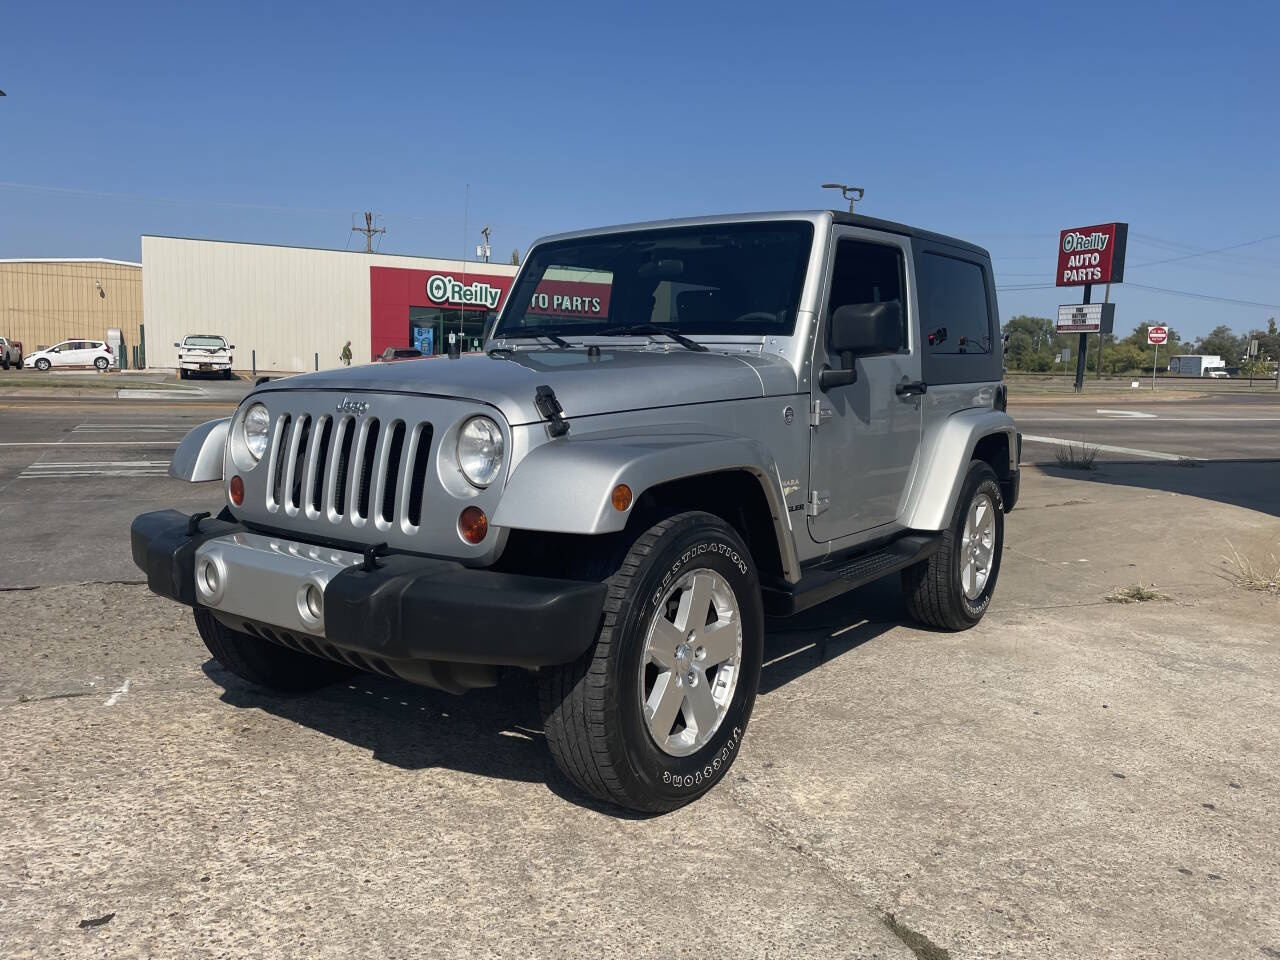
368, 230
483, 249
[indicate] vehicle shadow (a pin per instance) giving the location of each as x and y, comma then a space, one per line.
1249, 483
497, 732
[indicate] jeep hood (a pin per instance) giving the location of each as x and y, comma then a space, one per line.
616, 380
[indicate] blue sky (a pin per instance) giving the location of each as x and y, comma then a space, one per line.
998, 123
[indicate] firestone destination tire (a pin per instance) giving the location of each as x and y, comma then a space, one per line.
264, 664
952, 589
653, 715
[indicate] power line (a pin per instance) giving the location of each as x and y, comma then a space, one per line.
1206, 253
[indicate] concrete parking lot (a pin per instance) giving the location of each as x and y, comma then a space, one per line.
1072, 778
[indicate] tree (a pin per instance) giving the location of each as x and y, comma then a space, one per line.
1123, 357
1029, 338
515, 258
1223, 343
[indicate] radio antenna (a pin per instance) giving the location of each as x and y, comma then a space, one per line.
852, 194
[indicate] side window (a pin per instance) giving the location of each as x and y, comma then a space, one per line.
868, 273
953, 301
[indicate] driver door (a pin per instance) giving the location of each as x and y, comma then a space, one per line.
864, 445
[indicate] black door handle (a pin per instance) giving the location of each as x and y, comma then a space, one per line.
909, 388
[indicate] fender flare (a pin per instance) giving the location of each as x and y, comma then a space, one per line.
199, 455
945, 452
565, 486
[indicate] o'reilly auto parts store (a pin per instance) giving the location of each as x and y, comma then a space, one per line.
294, 307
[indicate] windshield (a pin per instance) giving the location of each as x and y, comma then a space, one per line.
718, 279
216, 342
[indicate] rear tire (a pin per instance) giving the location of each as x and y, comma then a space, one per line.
652, 716
226, 374
102, 363
263, 663
182, 373
952, 589
4, 361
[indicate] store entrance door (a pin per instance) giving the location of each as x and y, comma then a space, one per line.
430, 328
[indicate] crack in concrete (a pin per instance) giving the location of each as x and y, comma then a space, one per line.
82, 583
919, 944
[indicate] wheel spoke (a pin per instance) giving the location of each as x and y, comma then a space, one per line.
700, 710
665, 701
695, 602
663, 643
720, 641
985, 553
966, 575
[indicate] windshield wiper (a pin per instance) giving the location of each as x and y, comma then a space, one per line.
640, 329
551, 335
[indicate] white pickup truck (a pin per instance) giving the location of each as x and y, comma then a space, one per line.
204, 353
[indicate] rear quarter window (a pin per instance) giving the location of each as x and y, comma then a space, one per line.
958, 318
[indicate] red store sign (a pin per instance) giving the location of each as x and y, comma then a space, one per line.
393, 290
1092, 254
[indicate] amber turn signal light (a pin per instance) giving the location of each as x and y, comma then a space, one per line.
237, 490
621, 497
473, 524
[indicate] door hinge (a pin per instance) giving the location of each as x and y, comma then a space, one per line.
819, 500
818, 414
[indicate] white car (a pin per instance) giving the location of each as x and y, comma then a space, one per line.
1217, 373
204, 353
73, 353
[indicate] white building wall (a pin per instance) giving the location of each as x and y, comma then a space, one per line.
287, 303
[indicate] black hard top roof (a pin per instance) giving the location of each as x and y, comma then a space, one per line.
873, 223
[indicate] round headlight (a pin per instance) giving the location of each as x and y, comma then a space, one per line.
480, 451
254, 428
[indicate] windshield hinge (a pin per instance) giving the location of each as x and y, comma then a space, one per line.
545, 400
819, 500
818, 414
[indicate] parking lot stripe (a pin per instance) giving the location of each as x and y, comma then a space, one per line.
1107, 448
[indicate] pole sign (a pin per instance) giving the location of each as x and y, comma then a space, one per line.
1086, 318
1092, 254
1157, 335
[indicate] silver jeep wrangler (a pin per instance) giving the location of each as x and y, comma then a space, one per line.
676, 430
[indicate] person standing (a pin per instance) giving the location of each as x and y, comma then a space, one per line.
346, 353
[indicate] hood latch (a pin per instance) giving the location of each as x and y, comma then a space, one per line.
547, 404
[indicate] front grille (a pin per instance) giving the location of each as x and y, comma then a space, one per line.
349, 471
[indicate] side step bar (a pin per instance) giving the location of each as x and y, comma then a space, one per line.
835, 577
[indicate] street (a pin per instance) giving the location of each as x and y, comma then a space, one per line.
1073, 777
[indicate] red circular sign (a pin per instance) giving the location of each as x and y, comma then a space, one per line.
1157, 335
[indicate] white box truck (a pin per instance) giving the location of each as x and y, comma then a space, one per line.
1194, 365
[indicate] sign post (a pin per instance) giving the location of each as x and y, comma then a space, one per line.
1155, 337
1089, 255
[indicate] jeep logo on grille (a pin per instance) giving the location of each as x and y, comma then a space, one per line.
355, 407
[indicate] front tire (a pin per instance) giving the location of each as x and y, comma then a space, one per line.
43, 365
264, 664
653, 715
952, 589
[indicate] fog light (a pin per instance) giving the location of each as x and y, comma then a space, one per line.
621, 497
313, 602
473, 524
209, 580
237, 490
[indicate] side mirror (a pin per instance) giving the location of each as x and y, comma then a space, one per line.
861, 330
232, 347
176, 344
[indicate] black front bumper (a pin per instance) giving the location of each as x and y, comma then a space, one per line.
409, 608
